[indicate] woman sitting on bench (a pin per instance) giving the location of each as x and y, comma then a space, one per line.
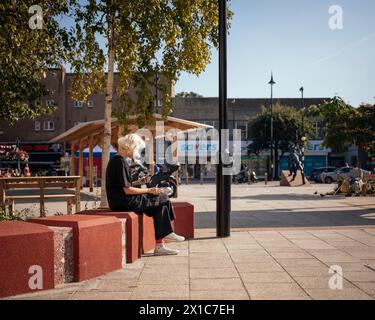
152, 201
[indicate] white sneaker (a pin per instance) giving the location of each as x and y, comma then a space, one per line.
174, 237
162, 249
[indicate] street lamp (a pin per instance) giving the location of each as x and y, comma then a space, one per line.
223, 182
303, 109
272, 83
234, 118
157, 81
303, 138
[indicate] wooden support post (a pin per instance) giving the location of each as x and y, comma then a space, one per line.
175, 159
2, 194
78, 195
42, 204
91, 164
72, 160
151, 159
120, 131
80, 163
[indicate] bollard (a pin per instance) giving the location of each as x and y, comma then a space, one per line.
266, 178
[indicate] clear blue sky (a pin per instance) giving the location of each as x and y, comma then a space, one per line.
293, 38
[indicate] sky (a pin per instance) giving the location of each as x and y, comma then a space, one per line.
295, 39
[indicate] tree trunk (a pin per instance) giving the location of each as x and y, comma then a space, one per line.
108, 101
358, 154
276, 155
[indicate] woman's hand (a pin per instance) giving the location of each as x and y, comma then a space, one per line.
154, 191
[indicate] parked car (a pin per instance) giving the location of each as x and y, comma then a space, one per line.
315, 175
345, 172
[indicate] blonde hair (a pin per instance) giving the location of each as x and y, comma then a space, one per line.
133, 142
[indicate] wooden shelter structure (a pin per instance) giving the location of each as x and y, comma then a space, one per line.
90, 134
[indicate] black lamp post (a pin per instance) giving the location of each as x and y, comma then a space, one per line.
272, 83
223, 182
157, 81
303, 110
233, 114
303, 138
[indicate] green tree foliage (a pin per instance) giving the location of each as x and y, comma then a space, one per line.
190, 94
337, 115
287, 128
26, 54
138, 38
142, 38
346, 125
364, 125
164, 36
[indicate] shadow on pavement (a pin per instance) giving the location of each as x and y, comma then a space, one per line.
290, 218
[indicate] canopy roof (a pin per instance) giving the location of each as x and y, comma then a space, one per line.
91, 133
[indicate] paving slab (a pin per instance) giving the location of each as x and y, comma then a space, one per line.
276, 291
266, 277
346, 294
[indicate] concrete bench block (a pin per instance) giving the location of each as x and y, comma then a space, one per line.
147, 231
133, 242
26, 258
184, 223
64, 255
97, 243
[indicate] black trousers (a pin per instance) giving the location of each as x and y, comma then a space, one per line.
158, 207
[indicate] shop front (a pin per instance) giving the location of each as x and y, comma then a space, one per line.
43, 157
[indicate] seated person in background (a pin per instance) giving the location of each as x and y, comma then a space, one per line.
151, 201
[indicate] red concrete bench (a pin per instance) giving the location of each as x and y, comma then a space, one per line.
184, 223
25, 250
144, 240
97, 243
148, 233
64, 255
140, 234
133, 241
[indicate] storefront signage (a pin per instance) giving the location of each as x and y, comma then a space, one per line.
315, 147
193, 148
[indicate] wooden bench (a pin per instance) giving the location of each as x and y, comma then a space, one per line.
41, 184
70, 201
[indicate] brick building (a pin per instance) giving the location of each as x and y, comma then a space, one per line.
34, 135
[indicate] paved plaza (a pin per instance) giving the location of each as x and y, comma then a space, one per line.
283, 243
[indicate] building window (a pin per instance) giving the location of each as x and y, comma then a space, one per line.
90, 104
48, 125
50, 103
37, 125
78, 104
242, 125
